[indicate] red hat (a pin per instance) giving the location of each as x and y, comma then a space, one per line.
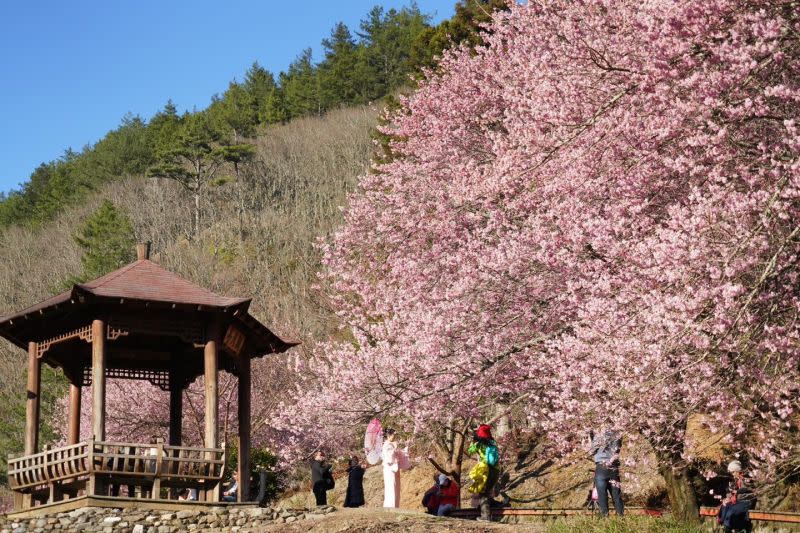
484, 431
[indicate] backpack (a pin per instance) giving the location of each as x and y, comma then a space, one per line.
492, 455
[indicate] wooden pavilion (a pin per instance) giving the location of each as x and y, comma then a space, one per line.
139, 322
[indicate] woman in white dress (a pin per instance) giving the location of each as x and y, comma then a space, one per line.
391, 470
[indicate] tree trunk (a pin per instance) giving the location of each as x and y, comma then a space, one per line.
682, 498
196, 228
455, 449
457, 461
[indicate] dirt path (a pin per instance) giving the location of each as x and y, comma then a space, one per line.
377, 520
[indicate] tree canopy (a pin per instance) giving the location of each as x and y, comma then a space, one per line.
592, 221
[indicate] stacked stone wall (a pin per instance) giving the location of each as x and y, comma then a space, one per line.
229, 519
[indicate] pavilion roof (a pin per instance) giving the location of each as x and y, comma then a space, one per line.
146, 281
140, 280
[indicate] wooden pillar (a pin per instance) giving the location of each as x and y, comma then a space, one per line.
99, 380
175, 417
243, 467
175, 408
74, 430
32, 402
211, 365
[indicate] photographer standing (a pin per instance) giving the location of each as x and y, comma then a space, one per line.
321, 478
605, 447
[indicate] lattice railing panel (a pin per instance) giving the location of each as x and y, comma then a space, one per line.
159, 378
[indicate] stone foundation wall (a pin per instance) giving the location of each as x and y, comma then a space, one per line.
134, 520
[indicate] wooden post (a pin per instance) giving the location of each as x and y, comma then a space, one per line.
175, 418
243, 466
74, 432
143, 251
156, 494
211, 363
32, 402
99, 380
175, 408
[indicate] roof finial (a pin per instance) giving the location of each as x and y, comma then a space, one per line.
143, 250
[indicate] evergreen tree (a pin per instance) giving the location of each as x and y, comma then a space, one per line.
465, 26
387, 38
125, 151
194, 157
163, 128
107, 241
275, 109
299, 85
337, 72
236, 113
260, 85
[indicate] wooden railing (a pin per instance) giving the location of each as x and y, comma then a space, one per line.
157, 460
705, 512
763, 516
49, 466
123, 461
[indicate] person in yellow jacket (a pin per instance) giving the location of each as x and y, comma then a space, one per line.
484, 475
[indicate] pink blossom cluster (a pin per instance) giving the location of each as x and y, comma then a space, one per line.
595, 219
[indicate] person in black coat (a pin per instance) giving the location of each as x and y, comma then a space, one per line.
321, 478
355, 484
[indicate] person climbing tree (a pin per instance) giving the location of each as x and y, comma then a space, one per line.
484, 475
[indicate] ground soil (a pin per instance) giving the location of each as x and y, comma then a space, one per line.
374, 520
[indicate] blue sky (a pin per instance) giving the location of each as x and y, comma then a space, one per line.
69, 71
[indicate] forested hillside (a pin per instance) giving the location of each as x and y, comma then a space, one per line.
359, 67
233, 197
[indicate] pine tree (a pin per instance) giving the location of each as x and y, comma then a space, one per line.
163, 128
299, 85
194, 157
107, 241
465, 26
275, 109
260, 84
337, 71
236, 113
384, 60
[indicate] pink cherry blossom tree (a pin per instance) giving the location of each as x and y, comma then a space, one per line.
138, 410
594, 218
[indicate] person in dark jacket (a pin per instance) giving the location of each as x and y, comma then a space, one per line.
321, 478
432, 498
734, 514
355, 484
